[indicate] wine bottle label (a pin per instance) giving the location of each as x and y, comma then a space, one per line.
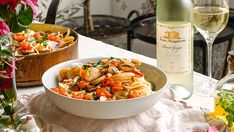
174, 47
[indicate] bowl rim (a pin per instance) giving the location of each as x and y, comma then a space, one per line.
74, 43
112, 101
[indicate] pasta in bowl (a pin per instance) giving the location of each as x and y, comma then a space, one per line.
119, 88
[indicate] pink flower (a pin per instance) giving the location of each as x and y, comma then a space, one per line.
3, 2
4, 29
212, 129
13, 3
32, 4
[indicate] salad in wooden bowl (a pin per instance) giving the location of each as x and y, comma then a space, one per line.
42, 46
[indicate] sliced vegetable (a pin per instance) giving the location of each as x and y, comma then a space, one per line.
25, 45
18, 37
107, 81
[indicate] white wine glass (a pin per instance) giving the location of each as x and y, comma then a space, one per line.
210, 17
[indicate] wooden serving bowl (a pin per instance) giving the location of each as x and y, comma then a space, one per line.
31, 68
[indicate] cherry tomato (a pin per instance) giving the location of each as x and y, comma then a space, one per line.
37, 36
18, 37
107, 81
54, 38
82, 84
25, 45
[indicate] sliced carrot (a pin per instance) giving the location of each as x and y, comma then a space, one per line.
54, 38
54, 89
133, 94
107, 81
18, 37
117, 87
114, 63
87, 97
103, 92
57, 39
138, 73
82, 73
25, 45
74, 88
38, 36
77, 96
62, 91
82, 84
50, 37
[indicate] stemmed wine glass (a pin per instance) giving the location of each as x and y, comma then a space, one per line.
210, 17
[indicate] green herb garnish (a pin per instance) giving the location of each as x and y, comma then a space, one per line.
86, 66
105, 66
76, 82
15, 42
111, 58
43, 38
226, 101
97, 63
45, 44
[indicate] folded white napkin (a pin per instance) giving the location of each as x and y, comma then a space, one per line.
168, 115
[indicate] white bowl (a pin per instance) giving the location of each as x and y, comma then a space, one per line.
108, 109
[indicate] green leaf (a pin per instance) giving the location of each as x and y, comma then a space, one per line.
21, 19
226, 101
14, 25
6, 52
4, 120
45, 44
24, 14
9, 110
15, 43
4, 12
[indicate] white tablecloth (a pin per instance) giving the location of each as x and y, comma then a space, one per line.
176, 117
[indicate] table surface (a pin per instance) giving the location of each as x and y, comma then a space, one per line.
88, 47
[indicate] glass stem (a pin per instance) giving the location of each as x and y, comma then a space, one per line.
209, 54
209, 51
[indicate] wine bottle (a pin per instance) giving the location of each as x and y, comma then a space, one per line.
175, 44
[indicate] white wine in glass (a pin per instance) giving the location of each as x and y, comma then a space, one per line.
210, 17
210, 21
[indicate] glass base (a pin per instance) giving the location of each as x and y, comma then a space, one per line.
180, 91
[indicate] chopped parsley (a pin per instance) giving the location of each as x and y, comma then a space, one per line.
43, 38
111, 58
97, 63
76, 82
226, 101
105, 66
